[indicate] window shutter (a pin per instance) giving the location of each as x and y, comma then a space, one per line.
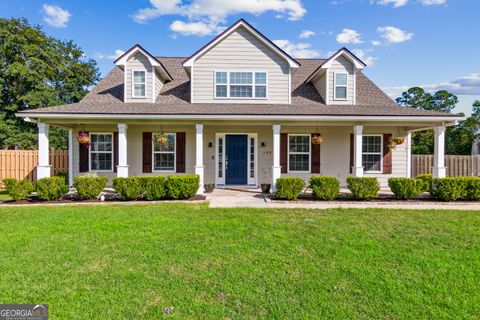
83, 157
180, 149
115, 151
284, 152
387, 154
352, 147
315, 163
147, 152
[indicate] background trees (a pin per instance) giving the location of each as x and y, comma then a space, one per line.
459, 139
37, 71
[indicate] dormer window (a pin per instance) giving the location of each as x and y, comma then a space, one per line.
240, 85
341, 86
138, 84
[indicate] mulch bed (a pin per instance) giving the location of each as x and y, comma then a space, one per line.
384, 198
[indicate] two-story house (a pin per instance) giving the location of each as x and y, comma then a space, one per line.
239, 112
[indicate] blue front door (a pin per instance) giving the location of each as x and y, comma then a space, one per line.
236, 159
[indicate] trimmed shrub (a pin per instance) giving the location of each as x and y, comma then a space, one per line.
182, 187
426, 182
363, 188
154, 187
472, 191
289, 188
405, 188
51, 188
64, 175
89, 186
448, 189
129, 188
324, 188
18, 190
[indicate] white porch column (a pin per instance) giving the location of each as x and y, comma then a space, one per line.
439, 170
357, 169
409, 155
70, 157
43, 168
276, 169
122, 167
199, 168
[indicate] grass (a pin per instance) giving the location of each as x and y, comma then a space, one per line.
4, 195
131, 262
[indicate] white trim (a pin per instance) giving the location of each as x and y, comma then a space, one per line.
343, 86
70, 157
409, 155
90, 151
228, 84
374, 153
160, 152
309, 152
190, 61
154, 62
358, 64
144, 83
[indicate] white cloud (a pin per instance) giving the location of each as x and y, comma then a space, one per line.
395, 3
376, 43
195, 28
218, 10
362, 55
108, 56
297, 50
433, 2
306, 34
56, 16
466, 85
349, 36
394, 35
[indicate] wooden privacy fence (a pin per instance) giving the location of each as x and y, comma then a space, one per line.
457, 166
21, 164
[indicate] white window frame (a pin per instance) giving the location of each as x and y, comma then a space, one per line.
309, 153
160, 152
112, 152
335, 85
144, 83
228, 84
374, 153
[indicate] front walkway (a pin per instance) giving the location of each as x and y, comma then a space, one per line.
245, 198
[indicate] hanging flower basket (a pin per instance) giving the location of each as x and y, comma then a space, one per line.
162, 139
398, 140
83, 137
317, 139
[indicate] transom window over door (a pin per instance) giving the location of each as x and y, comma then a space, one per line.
298, 153
237, 85
101, 152
138, 84
341, 86
164, 154
372, 153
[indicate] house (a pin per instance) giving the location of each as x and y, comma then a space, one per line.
239, 112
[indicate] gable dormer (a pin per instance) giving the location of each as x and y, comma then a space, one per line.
240, 66
335, 79
144, 75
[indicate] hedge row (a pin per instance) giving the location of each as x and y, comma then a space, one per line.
47, 188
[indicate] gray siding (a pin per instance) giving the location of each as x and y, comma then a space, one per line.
158, 85
241, 51
139, 62
341, 64
320, 84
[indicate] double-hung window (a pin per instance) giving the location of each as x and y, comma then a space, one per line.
372, 153
138, 84
237, 85
341, 86
101, 152
164, 154
299, 153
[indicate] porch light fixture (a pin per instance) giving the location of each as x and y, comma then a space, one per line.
262, 144
210, 144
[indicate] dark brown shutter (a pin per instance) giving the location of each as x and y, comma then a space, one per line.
387, 153
147, 152
180, 152
284, 152
315, 157
352, 150
83, 157
115, 151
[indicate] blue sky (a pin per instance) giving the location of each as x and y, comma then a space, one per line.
430, 43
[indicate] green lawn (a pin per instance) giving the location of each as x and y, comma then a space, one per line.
131, 262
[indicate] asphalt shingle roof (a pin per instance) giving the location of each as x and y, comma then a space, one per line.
107, 98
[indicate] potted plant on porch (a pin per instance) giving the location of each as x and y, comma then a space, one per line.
264, 185
209, 187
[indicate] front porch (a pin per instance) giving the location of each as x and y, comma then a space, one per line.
239, 153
